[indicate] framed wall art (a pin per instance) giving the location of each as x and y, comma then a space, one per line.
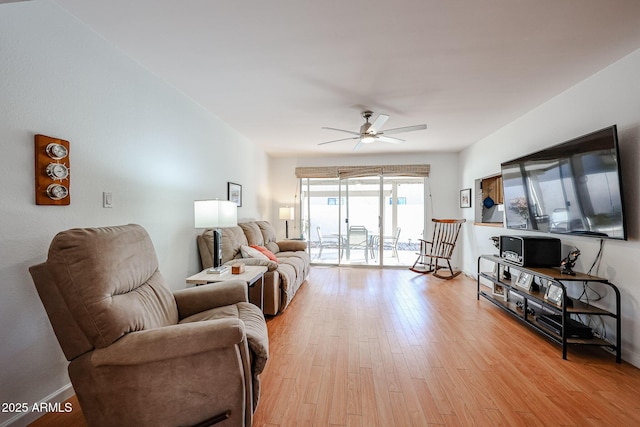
234, 193
465, 198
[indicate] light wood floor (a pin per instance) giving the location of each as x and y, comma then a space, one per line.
368, 347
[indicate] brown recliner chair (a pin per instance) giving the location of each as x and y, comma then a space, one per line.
139, 354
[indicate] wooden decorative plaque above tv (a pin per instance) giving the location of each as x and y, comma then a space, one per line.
52, 171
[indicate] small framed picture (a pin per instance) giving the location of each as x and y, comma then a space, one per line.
496, 270
500, 291
465, 198
234, 193
554, 293
524, 280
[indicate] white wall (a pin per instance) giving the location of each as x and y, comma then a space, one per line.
611, 96
443, 181
130, 134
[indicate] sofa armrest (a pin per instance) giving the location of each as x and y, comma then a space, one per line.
154, 345
200, 298
271, 265
292, 245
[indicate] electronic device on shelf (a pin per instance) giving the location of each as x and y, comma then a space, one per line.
574, 328
531, 251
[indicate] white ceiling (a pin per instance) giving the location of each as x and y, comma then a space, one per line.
279, 70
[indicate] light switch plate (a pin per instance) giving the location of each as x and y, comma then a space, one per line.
107, 200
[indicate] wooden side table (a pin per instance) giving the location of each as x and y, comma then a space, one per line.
253, 275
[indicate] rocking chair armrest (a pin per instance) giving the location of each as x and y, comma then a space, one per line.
441, 243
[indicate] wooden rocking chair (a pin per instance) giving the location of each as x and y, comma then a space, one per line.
441, 246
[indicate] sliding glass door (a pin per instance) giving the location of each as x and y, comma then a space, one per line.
360, 219
373, 220
321, 200
404, 219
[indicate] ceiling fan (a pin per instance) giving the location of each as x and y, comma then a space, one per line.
370, 132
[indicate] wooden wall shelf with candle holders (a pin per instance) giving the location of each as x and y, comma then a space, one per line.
52, 170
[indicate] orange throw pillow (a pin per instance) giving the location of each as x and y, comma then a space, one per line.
266, 252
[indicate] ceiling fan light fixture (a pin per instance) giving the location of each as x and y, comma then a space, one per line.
367, 139
373, 132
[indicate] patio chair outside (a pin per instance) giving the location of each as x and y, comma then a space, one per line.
359, 239
329, 242
391, 243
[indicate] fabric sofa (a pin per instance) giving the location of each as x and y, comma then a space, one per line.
283, 277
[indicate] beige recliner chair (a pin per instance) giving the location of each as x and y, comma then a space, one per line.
139, 354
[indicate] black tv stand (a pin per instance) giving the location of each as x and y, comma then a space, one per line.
551, 320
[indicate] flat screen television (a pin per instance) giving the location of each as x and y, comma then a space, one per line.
572, 188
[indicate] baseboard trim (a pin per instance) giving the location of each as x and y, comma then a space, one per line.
26, 418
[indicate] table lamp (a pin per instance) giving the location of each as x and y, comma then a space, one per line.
215, 214
286, 214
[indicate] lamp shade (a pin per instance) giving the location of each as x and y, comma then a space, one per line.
215, 213
286, 213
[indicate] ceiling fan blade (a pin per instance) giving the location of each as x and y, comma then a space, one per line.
342, 130
390, 139
405, 129
376, 126
337, 140
358, 145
